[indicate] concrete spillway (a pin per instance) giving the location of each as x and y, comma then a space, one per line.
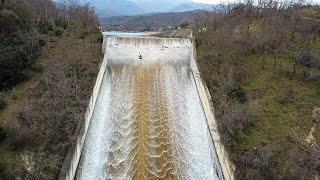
148, 122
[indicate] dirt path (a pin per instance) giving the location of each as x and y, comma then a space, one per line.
310, 139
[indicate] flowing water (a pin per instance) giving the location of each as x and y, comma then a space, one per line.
148, 121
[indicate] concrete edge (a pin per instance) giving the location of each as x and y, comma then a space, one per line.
72, 159
228, 169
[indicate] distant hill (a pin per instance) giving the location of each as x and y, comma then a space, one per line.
191, 7
117, 8
111, 8
160, 5
152, 22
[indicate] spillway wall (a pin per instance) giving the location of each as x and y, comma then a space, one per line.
228, 169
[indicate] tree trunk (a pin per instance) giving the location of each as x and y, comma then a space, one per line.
275, 60
294, 68
263, 62
292, 36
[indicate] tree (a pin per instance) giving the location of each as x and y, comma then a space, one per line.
9, 22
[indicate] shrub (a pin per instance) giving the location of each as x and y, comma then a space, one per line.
236, 92
17, 53
19, 143
18, 140
310, 76
3, 104
45, 26
51, 33
258, 161
316, 59
43, 163
9, 22
58, 32
291, 177
3, 135
61, 23
84, 34
253, 175
3, 170
100, 39
233, 118
42, 42
311, 159
184, 25
37, 68
95, 30
286, 96
303, 58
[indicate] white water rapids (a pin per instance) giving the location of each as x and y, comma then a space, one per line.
148, 122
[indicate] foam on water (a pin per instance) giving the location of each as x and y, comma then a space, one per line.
148, 122
149, 42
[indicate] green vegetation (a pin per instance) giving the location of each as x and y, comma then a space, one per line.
58, 32
19, 46
261, 65
46, 76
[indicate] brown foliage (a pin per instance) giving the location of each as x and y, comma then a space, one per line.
46, 117
58, 102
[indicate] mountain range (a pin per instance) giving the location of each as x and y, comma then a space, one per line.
149, 22
111, 8
108, 8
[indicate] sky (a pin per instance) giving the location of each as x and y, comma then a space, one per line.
219, 1
207, 1
197, 1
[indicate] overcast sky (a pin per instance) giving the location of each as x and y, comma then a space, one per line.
207, 1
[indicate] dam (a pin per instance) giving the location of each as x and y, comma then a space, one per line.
148, 121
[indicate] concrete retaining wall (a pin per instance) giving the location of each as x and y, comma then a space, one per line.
104, 44
72, 160
227, 167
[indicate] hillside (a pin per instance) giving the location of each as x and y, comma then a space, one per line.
148, 22
262, 67
48, 63
176, 33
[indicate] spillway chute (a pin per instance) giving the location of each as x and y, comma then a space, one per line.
148, 121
